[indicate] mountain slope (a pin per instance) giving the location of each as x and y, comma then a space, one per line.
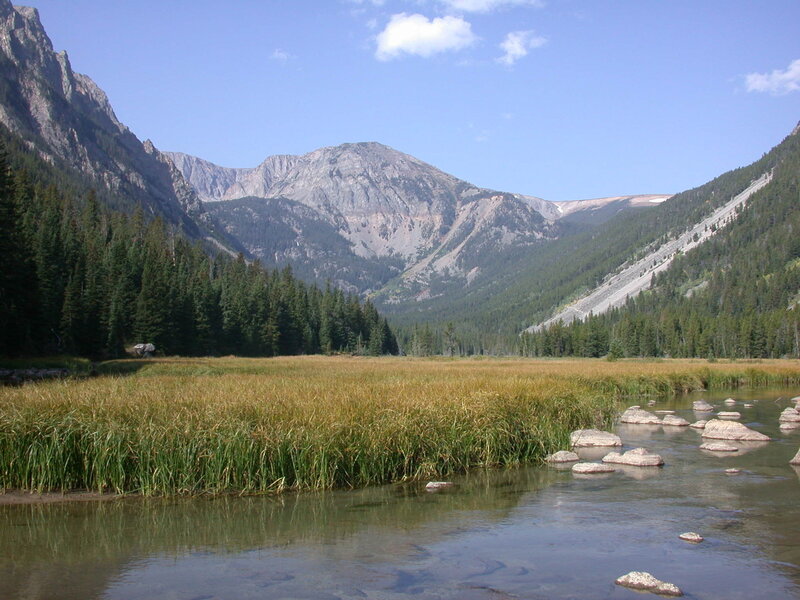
67, 119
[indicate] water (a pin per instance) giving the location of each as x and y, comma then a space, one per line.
537, 533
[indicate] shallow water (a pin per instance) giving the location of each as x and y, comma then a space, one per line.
538, 533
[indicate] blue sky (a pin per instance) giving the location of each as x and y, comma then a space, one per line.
562, 99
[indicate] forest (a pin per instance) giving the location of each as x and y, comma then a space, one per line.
79, 278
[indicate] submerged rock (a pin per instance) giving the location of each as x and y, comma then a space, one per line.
590, 468
641, 580
732, 471
718, 447
701, 406
651, 403
718, 429
665, 412
434, 486
747, 405
673, 421
691, 536
796, 459
636, 416
789, 415
562, 456
701, 424
593, 437
638, 457
732, 414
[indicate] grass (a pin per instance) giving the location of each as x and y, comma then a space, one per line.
189, 426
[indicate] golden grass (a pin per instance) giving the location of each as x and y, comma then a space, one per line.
213, 425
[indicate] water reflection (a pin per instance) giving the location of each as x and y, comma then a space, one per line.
526, 533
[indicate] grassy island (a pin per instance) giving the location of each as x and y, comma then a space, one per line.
218, 425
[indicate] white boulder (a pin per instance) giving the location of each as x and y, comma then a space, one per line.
591, 468
638, 457
789, 415
701, 406
583, 438
718, 429
637, 416
701, 424
796, 459
641, 580
673, 421
691, 536
718, 447
562, 456
729, 414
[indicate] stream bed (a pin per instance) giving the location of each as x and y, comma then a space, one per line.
535, 533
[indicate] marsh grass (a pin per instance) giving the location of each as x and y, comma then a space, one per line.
189, 426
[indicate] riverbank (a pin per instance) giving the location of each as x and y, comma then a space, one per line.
192, 426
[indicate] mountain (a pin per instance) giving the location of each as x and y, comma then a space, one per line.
67, 120
376, 220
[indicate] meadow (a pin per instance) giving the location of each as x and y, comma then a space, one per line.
220, 425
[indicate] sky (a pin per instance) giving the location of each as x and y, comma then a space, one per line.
561, 99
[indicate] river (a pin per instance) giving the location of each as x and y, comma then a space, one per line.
534, 533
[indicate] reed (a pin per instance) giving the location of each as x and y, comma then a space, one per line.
189, 426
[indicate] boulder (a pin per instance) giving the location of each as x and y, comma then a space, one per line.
701, 424
691, 536
641, 580
593, 437
789, 415
665, 412
638, 457
729, 401
732, 471
717, 429
144, 350
673, 421
651, 403
796, 459
591, 468
563, 456
701, 406
718, 447
730, 414
435, 486
748, 405
637, 416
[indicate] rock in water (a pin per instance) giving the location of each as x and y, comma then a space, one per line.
789, 415
673, 421
718, 447
638, 457
729, 401
731, 414
640, 580
701, 406
691, 536
434, 486
589, 468
636, 416
562, 456
718, 429
587, 438
732, 471
701, 424
796, 459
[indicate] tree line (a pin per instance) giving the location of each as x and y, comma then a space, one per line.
82, 279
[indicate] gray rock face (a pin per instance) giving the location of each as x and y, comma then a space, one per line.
590, 468
638, 457
641, 580
637, 416
587, 438
701, 406
731, 430
562, 456
67, 119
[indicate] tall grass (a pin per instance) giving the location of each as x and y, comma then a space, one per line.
190, 426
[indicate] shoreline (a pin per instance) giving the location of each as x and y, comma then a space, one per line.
19, 497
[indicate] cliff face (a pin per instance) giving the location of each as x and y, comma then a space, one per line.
66, 118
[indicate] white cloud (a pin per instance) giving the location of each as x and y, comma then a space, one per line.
280, 55
415, 34
484, 6
776, 83
517, 44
